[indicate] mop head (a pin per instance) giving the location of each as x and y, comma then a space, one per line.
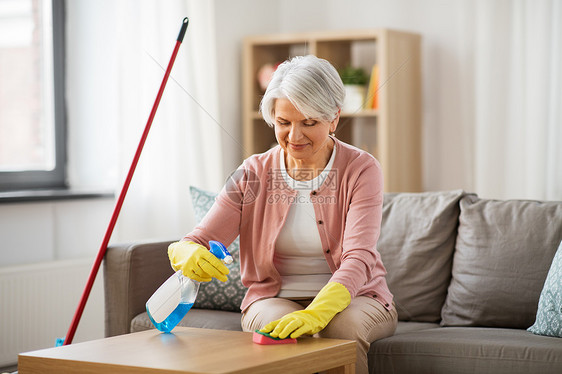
266, 339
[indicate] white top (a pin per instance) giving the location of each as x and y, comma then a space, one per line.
299, 257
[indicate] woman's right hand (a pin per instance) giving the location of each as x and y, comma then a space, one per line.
196, 262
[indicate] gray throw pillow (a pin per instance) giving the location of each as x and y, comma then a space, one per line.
416, 245
216, 294
503, 253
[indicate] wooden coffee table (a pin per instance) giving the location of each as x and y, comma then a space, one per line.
191, 350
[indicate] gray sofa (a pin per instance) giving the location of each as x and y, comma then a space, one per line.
466, 273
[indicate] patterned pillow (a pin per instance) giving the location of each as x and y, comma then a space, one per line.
216, 294
549, 313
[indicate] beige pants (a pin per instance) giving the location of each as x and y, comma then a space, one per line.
364, 320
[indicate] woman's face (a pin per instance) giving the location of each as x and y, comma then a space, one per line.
305, 141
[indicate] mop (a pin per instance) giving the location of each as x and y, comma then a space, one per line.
119, 203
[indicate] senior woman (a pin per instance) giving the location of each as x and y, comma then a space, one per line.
308, 213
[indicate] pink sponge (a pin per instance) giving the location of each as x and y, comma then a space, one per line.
266, 339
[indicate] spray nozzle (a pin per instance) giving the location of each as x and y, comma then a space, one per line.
220, 251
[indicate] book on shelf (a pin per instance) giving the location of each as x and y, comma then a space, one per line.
372, 101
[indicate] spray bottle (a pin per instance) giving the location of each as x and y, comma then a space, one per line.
175, 297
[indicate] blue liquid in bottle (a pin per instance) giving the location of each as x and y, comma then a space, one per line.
173, 319
171, 301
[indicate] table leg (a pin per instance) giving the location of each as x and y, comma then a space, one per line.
346, 369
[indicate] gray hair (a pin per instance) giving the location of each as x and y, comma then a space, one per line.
310, 83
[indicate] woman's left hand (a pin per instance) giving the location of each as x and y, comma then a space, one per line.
294, 324
332, 299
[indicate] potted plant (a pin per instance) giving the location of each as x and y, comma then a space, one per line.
354, 80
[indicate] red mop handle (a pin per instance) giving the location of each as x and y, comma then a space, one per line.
119, 203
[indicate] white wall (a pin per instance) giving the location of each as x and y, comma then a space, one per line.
50, 231
234, 21
34, 239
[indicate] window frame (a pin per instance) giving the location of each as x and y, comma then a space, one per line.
56, 178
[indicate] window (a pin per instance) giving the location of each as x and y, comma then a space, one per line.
32, 120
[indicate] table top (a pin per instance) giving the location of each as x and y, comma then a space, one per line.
189, 350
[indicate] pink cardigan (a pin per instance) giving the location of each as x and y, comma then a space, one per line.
254, 204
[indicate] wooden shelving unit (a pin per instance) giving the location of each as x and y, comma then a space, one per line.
392, 132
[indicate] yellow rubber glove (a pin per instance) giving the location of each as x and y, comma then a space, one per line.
196, 262
332, 299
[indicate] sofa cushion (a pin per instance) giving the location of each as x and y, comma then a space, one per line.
466, 350
216, 294
404, 327
416, 245
549, 313
502, 256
